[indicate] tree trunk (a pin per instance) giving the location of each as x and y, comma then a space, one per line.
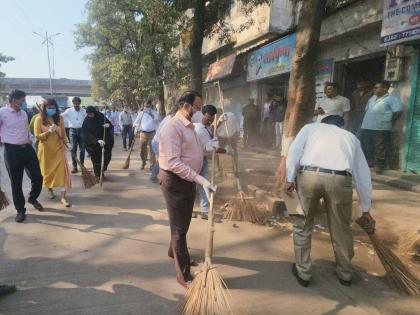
196, 45
162, 110
301, 102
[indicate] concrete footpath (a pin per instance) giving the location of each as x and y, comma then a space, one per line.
107, 254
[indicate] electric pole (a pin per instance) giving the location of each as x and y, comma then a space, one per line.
48, 41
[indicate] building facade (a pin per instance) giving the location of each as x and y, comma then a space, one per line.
369, 40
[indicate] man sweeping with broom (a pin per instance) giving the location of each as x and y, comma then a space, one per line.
180, 161
324, 160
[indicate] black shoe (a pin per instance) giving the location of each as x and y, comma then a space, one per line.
74, 170
7, 289
143, 164
204, 216
303, 283
37, 205
345, 283
20, 217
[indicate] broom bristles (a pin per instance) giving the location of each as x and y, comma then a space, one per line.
126, 164
4, 202
207, 295
89, 180
400, 275
243, 209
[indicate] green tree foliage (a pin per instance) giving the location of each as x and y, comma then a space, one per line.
208, 18
3, 59
133, 44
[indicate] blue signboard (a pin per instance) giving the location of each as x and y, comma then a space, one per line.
272, 59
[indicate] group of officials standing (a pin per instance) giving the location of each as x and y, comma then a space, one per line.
323, 161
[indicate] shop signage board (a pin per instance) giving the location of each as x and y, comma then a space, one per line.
272, 59
221, 68
400, 21
324, 71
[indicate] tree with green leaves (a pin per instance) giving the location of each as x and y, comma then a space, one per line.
3, 59
132, 45
209, 17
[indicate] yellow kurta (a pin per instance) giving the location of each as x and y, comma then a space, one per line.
51, 154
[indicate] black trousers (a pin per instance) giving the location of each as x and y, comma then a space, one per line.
96, 158
18, 159
76, 139
179, 195
374, 145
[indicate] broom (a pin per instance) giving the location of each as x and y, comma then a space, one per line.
242, 208
4, 202
101, 177
207, 294
400, 275
89, 180
126, 164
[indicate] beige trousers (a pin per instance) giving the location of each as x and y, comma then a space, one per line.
146, 141
337, 192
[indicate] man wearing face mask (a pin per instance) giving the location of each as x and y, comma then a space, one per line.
146, 122
180, 161
75, 116
19, 155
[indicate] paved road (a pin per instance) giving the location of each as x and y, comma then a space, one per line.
107, 255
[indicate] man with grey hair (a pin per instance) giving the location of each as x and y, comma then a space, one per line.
322, 162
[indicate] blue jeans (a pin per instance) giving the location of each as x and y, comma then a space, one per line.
155, 166
76, 139
204, 202
127, 130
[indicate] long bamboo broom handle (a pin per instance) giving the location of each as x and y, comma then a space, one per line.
101, 178
210, 225
235, 167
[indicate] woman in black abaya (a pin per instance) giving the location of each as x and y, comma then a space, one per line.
93, 132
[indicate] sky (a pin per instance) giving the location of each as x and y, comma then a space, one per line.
19, 18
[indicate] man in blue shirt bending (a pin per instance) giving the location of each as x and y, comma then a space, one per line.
382, 110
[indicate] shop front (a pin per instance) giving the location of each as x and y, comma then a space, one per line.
229, 74
269, 67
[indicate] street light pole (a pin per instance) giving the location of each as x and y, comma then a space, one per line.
49, 64
48, 40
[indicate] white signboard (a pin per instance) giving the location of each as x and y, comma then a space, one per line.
400, 22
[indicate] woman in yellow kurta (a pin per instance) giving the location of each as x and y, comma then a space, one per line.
49, 130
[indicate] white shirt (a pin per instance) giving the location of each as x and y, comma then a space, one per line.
204, 134
159, 129
125, 118
232, 126
197, 117
333, 106
327, 146
147, 122
74, 118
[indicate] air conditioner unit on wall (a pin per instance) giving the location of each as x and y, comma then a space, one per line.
394, 66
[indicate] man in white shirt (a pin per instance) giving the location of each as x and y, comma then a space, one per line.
209, 143
333, 104
324, 160
126, 125
75, 116
146, 122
